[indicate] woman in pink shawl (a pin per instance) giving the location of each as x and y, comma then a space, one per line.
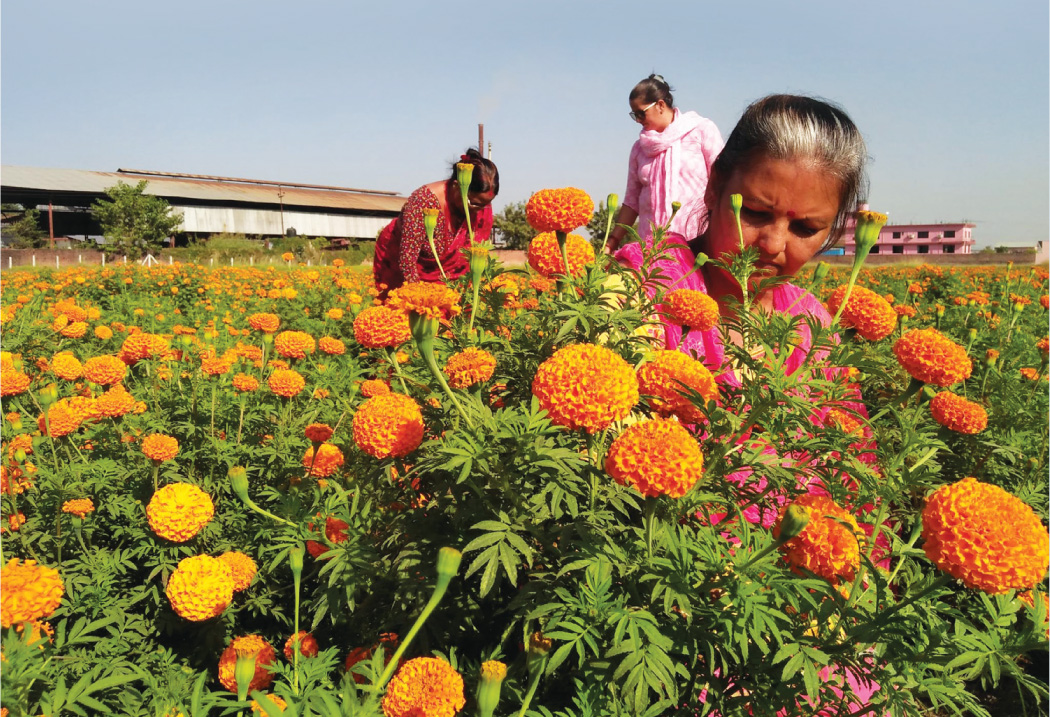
670, 162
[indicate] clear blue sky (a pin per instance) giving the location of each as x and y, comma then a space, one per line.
953, 98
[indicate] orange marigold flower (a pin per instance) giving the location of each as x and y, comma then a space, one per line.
585, 386
689, 307
13, 382
828, 546
318, 432
242, 569
116, 401
958, 414
867, 312
62, 419
469, 366
980, 534
545, 254
657, 457
66, 365
105, 370
332, 346
844, 421
74, 330
559, 210
334, 314
15, 521
1030, 373
540, 283
434, 301
328, 460
30, 592
666, 379
294, 344
178, 511
259, 709
141, 346
306, 643
1044, 301
285, 382
21, 442
929, 356
379, 327
79, 507
374, 387
216, 365
904, 310
334, 530
288, 256
424, 686
103, 333
247, 645
389, 643
388, 425
1043, 346
200, 588
160, 447
245, 383
267, 323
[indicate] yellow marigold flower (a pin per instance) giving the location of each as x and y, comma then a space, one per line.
435, 301
141, 346
958, 414
287, 256
66, 365
388, 425
178, 511
62, 419
1030, 373
584, 386
493, 670
242, 569
657, 457
294, 344
424, 686
216, 365
79, 507
318, 432
335, 314
980, 534
559, 210
28, 591
469, 366
380, 327
844, 421
116, 401
245, 383
13, 382
689, 307
328, 460
247, 645
267, 323
159, 447
306, 643
867, 312
285, 382
257, 708
332, 346
200, 588
929, 356
545, 254
74, 330
105, 370
374, 387
1043, 346
828, 546
668, 376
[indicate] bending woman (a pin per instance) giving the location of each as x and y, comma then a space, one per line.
402, 251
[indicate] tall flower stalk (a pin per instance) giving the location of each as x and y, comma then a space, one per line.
424, 331
479, 262
867, 234
612, 204
464, 175
430, 219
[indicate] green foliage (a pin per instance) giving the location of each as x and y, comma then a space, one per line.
511, 228
133, 222
26, 232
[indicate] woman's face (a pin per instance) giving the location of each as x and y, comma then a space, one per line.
651, 115
788, 209
476, 200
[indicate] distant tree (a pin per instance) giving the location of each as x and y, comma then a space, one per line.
596, 227
26, 233
133, 222
512, 230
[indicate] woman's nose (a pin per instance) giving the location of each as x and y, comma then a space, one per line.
772, 239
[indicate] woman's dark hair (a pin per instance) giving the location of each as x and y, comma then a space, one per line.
652, 89
793, 127
485, 177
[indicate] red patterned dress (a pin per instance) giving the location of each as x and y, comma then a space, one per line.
403, 253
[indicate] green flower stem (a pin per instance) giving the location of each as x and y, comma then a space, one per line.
391, 353
612, 204
240, 422
156, 470
884, 617
649, 520
866, 235
562, 244
295, 560
214, 387
429, 227
534, 681
736, 202
239, 483
424, 330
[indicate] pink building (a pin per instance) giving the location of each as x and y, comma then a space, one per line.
917, 239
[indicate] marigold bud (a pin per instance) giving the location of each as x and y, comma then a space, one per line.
448, 563
795, 520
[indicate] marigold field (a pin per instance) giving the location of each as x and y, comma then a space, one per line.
264, 491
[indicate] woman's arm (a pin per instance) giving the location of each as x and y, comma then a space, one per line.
627, 215
413, 233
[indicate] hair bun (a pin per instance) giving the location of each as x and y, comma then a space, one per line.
658, 78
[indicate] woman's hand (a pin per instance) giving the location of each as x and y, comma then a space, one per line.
627, 216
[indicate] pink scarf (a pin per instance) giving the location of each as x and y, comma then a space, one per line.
664, 149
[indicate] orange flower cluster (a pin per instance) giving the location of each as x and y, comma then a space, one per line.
470, 366
115, 402
247, 645
30, 592
388, 425
286, 382
903, 310
825, 546
13, 382
62, 419
334, 531
267, 323
331, 346
294, 344
958, 414
200, 588
242, 569
317, 432
867, 312
545, 254
559, 210
435, 301
74, 330
105, 370
667, 376
1043, 346
379, 327
178, 511
1030, 373
159, 447
306, 643
328, 460
689, 307
929, 356
245, 383
66, 365
980, 534
374, 387
79, 507
844, 421
584, 386
142, 346
216, 365
424, 686
657, 457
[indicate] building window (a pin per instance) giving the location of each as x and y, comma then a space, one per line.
924, 235
875, 249
924, 249
949, 248
949, 233
896, 235
898, 248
